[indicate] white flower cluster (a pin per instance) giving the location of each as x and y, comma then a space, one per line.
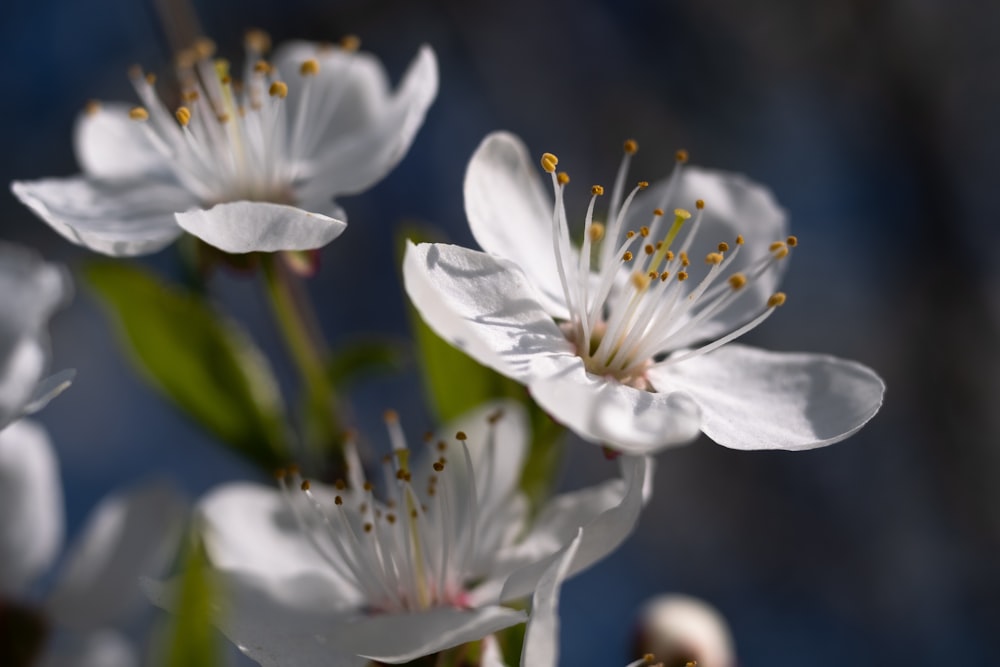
626, 338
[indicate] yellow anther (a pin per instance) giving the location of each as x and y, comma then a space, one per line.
91, 107
684, 259
776, 246
390, 417
138, 113
350, 43
629, 234
337, 500
562, 177
151, 78
664, 276
631, 146
792, 241
262, 67
669, 256
185, 59
368, 527
278, 89
648, 248
737, 281
713, 258
644, 231
682, 214
682, 276
461, 436
596, 232
681, 156
280, 474
203, 48
183, 116
190, 96
597, 190
640, 281
438, 466
657, 212
739, 240
549, 162
723, 247
627, 257
223, 118
305, 485
340, 485
653, 275
777, 299
699, 204
257, 40
642, 185
309, 67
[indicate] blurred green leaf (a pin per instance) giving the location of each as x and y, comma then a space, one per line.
356, 359
200, 360
455, 384
193, 640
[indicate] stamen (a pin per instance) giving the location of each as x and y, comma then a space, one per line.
183, 115
257, 40
549, 162
309, 67
278, 89
138, 113
350, 43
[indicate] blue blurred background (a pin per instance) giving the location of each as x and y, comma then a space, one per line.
877, 125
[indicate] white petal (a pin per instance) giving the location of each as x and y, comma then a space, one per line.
31, 505
356, 80
276, 625
122, 218
396, 638
485, 306
105, 648
126, 537
249, 528
31, 289
110, 145
511, 216
607, 412
734, 205
541, 639
251, 226
352, 163
601, 535
491, 655
755, 399
21, 367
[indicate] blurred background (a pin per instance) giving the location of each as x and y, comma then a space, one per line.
876, 124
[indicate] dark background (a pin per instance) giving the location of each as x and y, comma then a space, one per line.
877, 124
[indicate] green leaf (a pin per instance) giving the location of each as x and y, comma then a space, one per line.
455, 384
357, 359
204, 363
193, 639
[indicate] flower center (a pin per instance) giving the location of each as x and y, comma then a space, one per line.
636, 296
416, 548
238, 139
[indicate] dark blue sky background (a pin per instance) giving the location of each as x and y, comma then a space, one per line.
875, 123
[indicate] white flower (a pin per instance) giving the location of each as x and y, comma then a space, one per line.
327, 576
125, 537
30, 292
628, 340
250, 166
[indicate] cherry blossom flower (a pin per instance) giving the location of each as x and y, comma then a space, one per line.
248, 165
319, 575
628, 338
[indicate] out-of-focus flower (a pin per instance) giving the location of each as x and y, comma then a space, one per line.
628, 339
250, 165
30, 292
680, 628
319, 575
126, 537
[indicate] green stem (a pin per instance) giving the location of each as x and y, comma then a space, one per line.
295, 319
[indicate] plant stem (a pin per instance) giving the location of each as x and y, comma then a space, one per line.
295, 318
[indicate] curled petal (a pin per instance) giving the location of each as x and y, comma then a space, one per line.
251, 226
604, 411
756, 399
541, 639
120, 218
31, 506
